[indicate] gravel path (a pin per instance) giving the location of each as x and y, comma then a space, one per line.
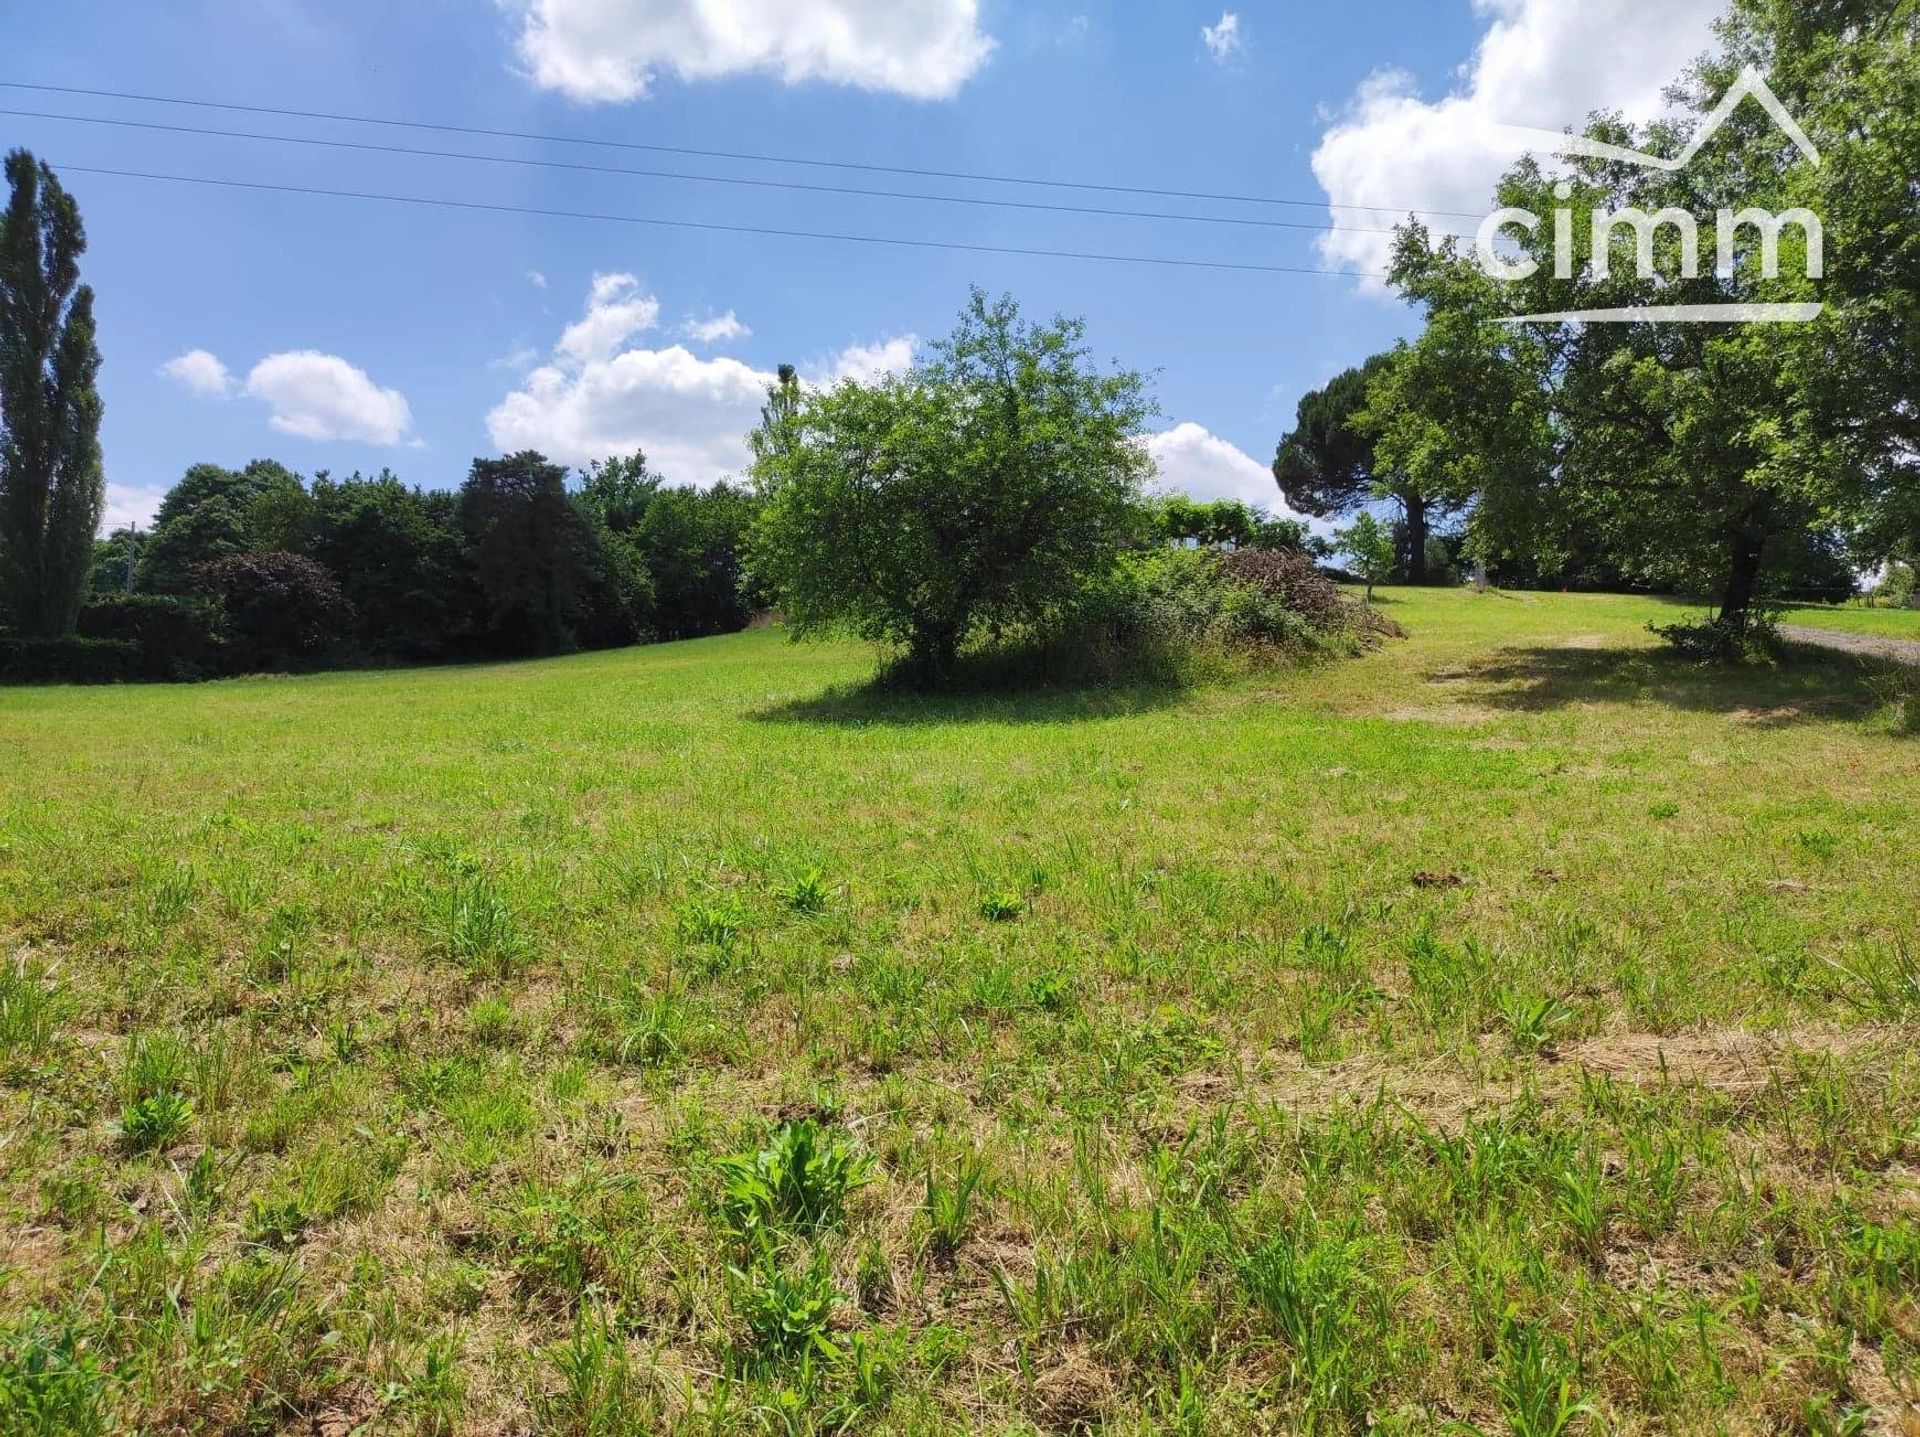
1901, 651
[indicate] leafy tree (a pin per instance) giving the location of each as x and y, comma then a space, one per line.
1219, 523
213, 513
774, 434
1707, 457
692, 541
282, 610
687, 543
618, 490
1463, 413
52, 488
616, 601
115, 562
398, 553
1369, 543
531, 552
1329, 464
984, 491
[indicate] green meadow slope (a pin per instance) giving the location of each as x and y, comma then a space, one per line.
1512, 1027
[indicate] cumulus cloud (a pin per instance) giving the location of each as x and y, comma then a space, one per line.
1192, 460
1541, 63
310, 394
1224, 40
616, 311
611, 50
321, 396
716, 330
200, 373
691, 414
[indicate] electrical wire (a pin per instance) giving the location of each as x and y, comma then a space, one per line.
923, 173
713, 226
523, 161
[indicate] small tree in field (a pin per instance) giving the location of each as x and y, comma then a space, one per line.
980, 493
1369, 543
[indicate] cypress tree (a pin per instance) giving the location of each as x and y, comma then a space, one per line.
52, 488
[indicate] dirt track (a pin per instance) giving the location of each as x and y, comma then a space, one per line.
1901, 651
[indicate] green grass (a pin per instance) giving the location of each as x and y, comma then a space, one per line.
1882, 623
1512, 1029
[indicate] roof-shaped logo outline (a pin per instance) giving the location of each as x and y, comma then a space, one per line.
1750, 84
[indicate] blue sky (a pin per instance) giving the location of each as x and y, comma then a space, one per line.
343, 334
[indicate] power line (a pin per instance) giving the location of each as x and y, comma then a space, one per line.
712, 226
682, 175
340, 118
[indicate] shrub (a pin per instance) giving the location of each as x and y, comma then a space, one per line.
282, 610
1165, 610
67, 661
178, 639
1292, 577
1721, 640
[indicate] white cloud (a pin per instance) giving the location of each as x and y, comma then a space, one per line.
321, 396
715, 330
690, 414
610, 50
616, 311
1224, 40
865, 363
200, 372
130, 504
518, 357
537, 279
1202, 465
1542, 63
311, 395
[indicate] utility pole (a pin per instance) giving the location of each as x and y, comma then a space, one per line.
133, 547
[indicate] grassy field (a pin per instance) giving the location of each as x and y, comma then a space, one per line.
1882, 623
1512, 1030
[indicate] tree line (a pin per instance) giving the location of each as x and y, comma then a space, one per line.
518, 562
1729, 460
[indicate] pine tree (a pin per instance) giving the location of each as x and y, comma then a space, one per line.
52, 488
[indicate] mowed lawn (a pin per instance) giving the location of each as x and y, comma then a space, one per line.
1513, 1027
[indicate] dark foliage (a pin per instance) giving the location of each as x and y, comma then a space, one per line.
531, 553
178, 639
399, 556
69, 660
213, 513
283, 611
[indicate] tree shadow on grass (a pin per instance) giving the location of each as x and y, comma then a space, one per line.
1807, 684
876, 704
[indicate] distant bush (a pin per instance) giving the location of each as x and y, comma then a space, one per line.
1180, 615
1896, 589
67, 661
283, 611
178, 639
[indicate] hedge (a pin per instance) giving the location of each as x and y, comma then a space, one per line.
68, 661
178, 639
